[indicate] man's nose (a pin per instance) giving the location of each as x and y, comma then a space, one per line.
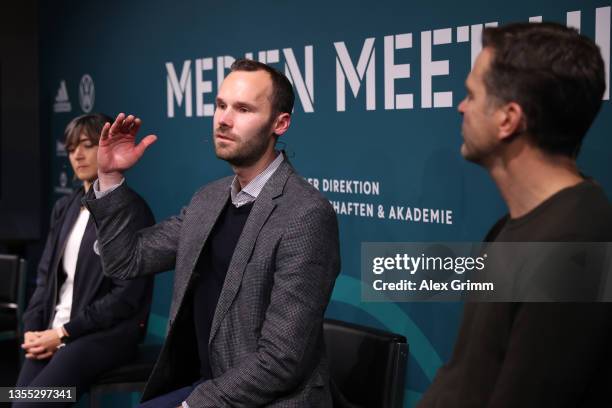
226, 118
461, 106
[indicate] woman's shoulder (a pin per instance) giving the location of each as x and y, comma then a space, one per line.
60, 206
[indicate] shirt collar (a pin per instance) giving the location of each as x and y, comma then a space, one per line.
251, 191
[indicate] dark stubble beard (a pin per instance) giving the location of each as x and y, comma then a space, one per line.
250, 152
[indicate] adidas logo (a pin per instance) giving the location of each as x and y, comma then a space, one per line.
62, 103
60, 149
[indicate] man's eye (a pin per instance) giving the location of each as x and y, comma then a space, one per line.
243, 109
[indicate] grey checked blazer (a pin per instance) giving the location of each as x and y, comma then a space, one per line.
266, 342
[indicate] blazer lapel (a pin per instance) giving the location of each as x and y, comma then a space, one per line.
262, 208
85, 252
72, 213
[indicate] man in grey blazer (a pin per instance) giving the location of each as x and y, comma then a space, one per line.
255, 258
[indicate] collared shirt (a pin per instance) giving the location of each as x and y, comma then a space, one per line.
251, 191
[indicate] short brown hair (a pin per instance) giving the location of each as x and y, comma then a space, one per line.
554, 73
89, 125
283, 97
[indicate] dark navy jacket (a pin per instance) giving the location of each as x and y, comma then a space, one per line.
113, 309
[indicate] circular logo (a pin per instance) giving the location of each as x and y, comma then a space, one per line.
87, 93
63, 179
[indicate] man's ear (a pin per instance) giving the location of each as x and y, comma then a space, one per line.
510, 120
281, 124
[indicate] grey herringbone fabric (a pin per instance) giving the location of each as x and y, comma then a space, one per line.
266, 343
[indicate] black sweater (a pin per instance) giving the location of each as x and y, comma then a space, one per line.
535, 354
211, 269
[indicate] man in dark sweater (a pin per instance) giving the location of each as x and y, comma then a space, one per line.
532, 95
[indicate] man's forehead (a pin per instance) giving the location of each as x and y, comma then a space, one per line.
246, 84
483, 61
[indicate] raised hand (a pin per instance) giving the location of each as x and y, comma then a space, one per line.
118, 151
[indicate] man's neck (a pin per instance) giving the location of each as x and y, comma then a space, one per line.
529, 178
246, 174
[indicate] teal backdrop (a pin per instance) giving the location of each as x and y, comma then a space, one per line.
375, 123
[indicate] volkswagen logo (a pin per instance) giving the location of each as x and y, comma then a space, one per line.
87, 93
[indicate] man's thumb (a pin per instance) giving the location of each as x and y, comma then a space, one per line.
146, 142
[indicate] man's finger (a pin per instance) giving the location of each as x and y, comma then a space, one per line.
116, 124
127, 124
105, 129
136, 126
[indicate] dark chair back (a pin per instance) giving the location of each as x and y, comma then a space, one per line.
12, 295
367, 366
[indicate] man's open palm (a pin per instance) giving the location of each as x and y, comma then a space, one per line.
118, 150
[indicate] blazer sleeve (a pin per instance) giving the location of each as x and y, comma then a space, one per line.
307, 264
33, 316
122, 301
126, 250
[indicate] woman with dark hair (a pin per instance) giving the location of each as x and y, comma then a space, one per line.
80, 323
